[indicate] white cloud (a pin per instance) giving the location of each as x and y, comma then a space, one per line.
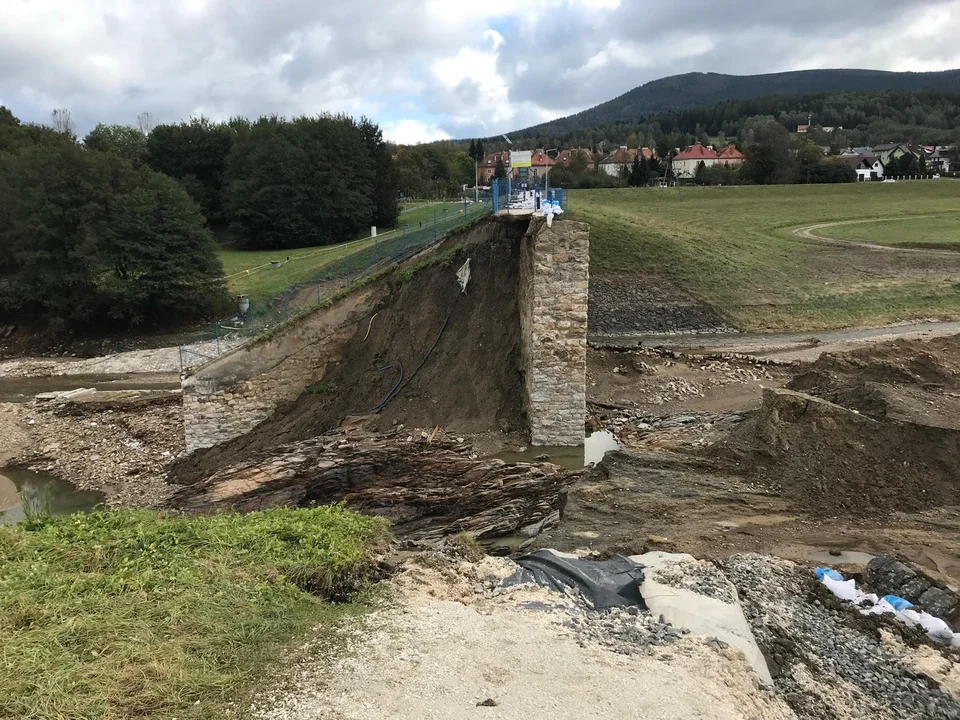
411, 132
472, 68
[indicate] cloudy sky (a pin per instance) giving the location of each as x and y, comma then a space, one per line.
428, 69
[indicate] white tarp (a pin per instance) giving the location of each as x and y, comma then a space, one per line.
701, 615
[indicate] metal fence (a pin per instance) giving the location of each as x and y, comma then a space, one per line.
228, 333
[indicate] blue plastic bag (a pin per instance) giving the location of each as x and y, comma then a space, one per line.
832, 574
898, 603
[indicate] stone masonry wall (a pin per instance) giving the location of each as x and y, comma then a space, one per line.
554, 276
231, 395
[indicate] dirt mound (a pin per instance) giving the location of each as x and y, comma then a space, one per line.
910, 381
874, 430
449, 358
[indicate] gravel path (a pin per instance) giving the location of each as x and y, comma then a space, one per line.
809, 232
457, 647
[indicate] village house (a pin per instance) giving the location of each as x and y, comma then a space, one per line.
868, 167
939, 160
892, 150
730, 156
685, 163
622, 158
567, 156
540, 164
488, 166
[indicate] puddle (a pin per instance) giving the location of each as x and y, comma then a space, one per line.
64, 498
846, 557
594, 448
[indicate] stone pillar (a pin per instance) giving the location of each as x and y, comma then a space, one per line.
554, 277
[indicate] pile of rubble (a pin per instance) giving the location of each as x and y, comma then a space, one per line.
121, 451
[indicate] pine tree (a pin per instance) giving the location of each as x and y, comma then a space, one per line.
500, 171
473, 149
636, 172
698, 176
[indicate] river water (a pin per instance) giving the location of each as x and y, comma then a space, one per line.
62, 497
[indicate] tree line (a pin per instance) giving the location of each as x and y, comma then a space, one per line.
117, 230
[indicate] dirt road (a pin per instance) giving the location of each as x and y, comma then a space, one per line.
809, 232
449, 651
786, 347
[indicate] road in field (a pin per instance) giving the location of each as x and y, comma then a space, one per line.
806, 346
810, 233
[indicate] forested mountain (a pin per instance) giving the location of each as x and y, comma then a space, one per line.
679, 92
857, 118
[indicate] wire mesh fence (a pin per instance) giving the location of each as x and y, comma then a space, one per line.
255, 317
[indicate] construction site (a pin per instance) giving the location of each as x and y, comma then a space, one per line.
604, 500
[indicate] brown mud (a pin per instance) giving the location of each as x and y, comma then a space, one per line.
865, 463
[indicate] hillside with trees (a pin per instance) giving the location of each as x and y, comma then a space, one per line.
679, 92
861, 118
115, 232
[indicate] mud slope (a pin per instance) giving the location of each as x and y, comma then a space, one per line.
459, 354
872, 431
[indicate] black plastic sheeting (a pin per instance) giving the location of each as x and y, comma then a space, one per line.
605, 583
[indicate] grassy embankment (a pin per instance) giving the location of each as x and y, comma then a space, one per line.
124, 614
941, 232
248, 272
734, 248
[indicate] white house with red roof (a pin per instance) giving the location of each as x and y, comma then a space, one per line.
685, 163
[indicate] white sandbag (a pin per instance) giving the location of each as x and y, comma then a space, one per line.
463, 275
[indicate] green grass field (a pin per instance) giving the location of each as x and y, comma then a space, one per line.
939, 231
733, 247
134, 614
249, 272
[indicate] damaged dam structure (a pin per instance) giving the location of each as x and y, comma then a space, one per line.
506, 353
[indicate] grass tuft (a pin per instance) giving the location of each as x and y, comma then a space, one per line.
124, 613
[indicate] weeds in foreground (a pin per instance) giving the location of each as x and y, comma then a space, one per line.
124, 613
37, 504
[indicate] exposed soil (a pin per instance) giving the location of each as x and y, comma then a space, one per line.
453, 357
876, 430
775, 481
663, 383
631, 303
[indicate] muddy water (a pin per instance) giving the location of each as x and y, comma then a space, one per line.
594, 448
63, 497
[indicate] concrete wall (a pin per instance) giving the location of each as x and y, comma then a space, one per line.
554, 276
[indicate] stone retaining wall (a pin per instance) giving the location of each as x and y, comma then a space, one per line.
231, 395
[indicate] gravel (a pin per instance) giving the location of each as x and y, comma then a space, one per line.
626, 631
828, 659
699, 576
121, 452
630, 303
